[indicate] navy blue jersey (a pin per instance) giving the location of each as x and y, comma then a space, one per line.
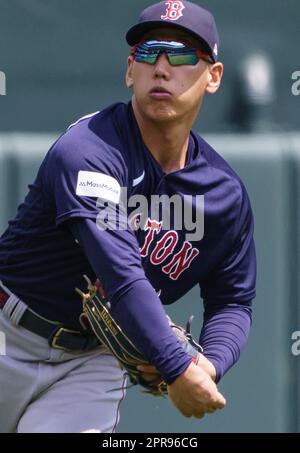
42, 262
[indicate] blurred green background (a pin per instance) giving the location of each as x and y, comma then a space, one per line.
64, 59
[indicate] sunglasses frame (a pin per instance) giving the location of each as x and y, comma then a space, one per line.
200, 53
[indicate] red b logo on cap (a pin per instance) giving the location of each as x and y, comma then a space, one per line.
174, 10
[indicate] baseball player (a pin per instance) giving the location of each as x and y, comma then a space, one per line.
56, 376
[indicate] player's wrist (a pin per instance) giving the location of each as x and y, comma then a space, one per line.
170, 376
192, 374
207, 366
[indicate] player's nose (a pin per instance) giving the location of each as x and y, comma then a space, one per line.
162, 67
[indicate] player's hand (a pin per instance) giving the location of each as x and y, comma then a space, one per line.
207, 366
194, 393
207, 398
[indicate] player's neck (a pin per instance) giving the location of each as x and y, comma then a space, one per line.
167, 142
169, 151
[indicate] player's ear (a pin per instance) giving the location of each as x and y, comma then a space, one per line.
129, 78
214, 76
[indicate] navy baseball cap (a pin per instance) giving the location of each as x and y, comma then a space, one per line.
183, 15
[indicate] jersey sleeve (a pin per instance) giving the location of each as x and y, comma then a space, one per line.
224, 334
80, 171
135, 305
234, 279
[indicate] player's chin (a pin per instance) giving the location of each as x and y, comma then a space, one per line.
161, 112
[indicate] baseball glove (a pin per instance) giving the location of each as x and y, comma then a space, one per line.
96, 315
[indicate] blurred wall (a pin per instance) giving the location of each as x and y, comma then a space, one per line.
66, 58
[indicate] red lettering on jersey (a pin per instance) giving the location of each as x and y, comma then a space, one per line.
152, 227
174, 10
164, 248
181, 261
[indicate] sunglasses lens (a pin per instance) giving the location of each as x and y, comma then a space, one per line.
177, 52
183, 59
146, 53
144, 57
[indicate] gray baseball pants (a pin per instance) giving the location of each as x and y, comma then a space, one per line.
46, 390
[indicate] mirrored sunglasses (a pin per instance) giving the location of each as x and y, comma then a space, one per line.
178, 53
